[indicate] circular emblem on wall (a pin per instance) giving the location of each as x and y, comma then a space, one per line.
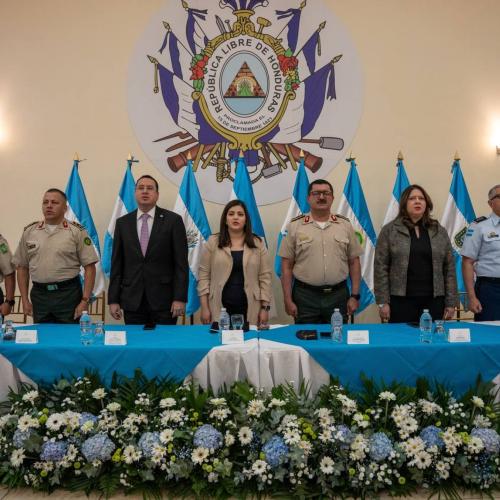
209, 79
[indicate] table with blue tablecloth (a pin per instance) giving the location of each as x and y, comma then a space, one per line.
267, 357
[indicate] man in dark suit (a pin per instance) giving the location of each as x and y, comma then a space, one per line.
149, 264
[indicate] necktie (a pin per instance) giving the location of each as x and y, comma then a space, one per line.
144, 238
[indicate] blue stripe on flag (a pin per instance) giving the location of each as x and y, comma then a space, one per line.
401, 182
458, 190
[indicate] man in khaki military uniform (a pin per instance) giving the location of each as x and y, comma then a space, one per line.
52, 251
319, 252
7, 274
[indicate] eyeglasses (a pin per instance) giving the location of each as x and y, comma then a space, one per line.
318, 194
496, 197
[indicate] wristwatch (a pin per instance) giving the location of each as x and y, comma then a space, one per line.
356, 296
11, 302
266, 308
381, 305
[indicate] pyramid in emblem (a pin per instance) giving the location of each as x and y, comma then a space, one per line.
244, 85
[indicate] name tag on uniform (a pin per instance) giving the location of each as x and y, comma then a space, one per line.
27, 337
358, 337
459, 335
115, 338
232, 337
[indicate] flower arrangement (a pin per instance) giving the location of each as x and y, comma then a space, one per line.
156, 435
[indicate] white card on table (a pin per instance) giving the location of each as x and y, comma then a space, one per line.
459, 335
115, 337
27, 337
358, 337
232, 337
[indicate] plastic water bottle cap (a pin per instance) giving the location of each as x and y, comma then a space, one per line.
336, 309
85, 312
426, 310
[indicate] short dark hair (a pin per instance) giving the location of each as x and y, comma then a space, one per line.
55, 190
318, 181
224, 238
148, 177
427, 220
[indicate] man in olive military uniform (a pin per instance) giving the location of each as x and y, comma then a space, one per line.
481, 254
319, 252
51, 251
7, 274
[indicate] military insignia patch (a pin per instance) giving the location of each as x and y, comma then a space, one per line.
3, 248
87, 241
459, 237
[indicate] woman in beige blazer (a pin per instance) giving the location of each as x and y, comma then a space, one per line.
234, 271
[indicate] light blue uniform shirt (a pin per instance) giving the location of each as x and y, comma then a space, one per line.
482, 244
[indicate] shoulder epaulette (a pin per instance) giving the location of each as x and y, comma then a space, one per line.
30, 224
79, 226
480, 219
342, 217
298, 217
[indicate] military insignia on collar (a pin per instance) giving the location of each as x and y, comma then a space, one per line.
307, 219
492, 235
65, 224
87, 241
3, 248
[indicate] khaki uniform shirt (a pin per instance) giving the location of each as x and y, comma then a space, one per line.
321, 256
6, 266
54, 256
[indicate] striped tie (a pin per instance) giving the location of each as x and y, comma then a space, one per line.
144, 238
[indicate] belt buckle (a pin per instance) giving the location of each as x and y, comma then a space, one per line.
327, 290
52, 288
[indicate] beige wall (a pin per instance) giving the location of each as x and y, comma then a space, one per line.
431, 87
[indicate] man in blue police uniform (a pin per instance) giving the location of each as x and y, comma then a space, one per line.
481, 253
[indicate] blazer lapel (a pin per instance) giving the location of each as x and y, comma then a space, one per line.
156, 228
132, 227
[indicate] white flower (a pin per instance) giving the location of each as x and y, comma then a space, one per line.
71, 419
443, 469
348, 405
278, 403
55, 421
360, 420
291, 436
213, 477
387, 396
422, 460
325, 435
259, 467
30, 396
475, 445
413, 446
359, 448
87, 426
99, 394
245, 435
229, 439
26, 422
167, 403
175, 416
482, 422
4, 420
131, 454
326, 465
217, 401
477, 402
256, 408
166, 436
17, 457
199, 455
220, 413
114, 407
452, 440
306, 447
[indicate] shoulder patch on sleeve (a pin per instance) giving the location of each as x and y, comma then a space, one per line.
30, 224
298, 217
342, 217
79, 226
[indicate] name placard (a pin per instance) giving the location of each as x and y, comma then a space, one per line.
358, 337
27, 337
115, 338
232, 337
459, 335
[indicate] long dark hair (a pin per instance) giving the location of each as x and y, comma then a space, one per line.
426, 220
224, 238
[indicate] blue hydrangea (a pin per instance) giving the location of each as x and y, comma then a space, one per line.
19, 437
276, 451
147, 442
430, 435
207, 436
380, 447
98, 447
85, 417
344, 434
489, 437
53, 451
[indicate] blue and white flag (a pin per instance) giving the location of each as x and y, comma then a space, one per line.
400, 184
189, 206
298, 206
353, 206
458, 214
292, 26
243, 190
125, 203
79, 211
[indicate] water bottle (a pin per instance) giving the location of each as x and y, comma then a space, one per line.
1, 328
86, 334
336, 323
426, 327
224, 321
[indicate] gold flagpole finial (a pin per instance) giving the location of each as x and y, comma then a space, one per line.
130, 157
400, 156
351, 157
76, 157
241, 153
457, 156
189, 156
302, 153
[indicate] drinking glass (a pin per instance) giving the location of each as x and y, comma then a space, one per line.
237, 321
99, 332
439, 330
